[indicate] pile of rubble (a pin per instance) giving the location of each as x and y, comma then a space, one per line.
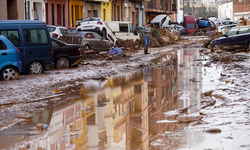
209, 31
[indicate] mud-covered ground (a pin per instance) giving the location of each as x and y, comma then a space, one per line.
32, 87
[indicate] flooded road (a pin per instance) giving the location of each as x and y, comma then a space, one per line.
181, 100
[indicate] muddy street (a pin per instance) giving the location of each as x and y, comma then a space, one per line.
179, 97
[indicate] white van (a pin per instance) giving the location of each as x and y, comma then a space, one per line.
123, 30
161, 21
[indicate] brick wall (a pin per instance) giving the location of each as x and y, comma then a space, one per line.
20, 10
239, 6
3, 10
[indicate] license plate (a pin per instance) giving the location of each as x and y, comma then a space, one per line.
87, 27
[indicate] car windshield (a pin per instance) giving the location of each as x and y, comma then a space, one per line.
233, 31
51, 29
190, 25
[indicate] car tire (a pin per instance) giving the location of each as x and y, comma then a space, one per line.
35, 67
8, 73
216, 48
104, 33
86, 47
62, 62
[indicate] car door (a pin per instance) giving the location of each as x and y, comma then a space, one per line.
242, 37
89, 39
102, 45
231, 39
4, 54
13, 35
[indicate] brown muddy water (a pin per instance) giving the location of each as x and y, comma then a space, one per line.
139, 110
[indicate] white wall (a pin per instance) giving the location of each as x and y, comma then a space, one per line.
226, 10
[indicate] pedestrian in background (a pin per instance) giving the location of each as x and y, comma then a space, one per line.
146, 32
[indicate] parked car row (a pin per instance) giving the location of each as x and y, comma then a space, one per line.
27, 47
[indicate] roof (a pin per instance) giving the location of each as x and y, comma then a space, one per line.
20, 21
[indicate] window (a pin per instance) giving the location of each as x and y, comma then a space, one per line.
233, 31
12, 35
51, 29
2, 45
63, 15
163, 20
89, 36
131, 28
95, 13
54, 44
97, 36
243, 30
52, 14
123, 27
35, 36
191, 25
63, 30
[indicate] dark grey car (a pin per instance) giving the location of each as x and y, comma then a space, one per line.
88, 41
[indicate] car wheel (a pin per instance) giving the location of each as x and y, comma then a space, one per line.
216, 48
86, 47
9, 73
35, 67
111, 47
104, 33
62, 63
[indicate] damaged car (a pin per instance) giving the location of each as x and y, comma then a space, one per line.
236, 38
65, 55
88, 41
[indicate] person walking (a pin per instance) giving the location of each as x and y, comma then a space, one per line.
146, 32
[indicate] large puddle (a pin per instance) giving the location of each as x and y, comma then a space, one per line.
122, 112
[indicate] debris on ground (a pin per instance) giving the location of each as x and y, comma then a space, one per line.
213, 130
226, 57
189, 118
115, 52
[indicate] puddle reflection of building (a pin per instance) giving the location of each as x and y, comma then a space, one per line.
162, 93
139, 119
188, 69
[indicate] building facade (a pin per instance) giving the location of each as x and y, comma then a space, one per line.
35, 10
57, 12
12, 10
156, 7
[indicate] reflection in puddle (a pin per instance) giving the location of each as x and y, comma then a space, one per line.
123, 112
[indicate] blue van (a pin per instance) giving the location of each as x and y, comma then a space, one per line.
10, 64
33, 40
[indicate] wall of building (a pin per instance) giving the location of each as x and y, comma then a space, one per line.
60, 15
12, 10
106, 11
3, 10
75, 11
92, 9
226, 10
